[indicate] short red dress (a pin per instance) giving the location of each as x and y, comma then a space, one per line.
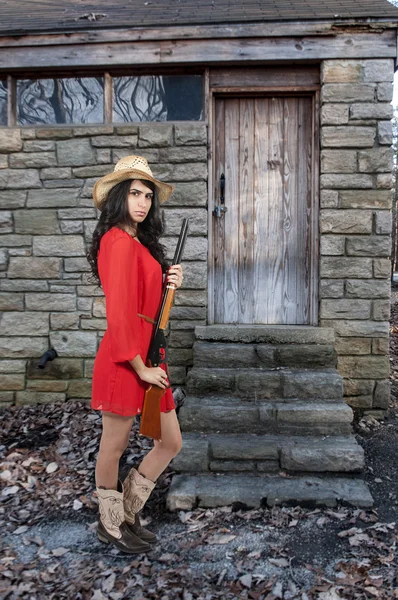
132, 281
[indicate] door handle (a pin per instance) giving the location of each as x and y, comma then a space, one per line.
220, 208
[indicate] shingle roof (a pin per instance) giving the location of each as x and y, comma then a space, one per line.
18, 16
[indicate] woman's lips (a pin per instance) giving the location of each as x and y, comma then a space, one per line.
140, 213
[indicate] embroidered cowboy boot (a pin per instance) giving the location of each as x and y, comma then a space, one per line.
137, 489
112, 527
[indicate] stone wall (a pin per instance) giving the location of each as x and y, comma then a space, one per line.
46, 221
355, 222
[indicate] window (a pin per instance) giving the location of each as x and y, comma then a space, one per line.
69, 100
121, 98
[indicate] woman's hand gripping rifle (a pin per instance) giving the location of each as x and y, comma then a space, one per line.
157, 355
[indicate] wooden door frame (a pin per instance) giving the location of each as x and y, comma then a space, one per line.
308, 90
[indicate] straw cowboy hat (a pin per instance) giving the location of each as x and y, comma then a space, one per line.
129, 167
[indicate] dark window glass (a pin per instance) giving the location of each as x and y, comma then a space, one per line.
157, 98
3, 103
69, 100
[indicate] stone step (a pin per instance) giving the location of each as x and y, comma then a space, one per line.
261, 453
232, 415
240, 356
266, 383
187, 491
269, 334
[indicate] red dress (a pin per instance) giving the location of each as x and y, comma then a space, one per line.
132, 281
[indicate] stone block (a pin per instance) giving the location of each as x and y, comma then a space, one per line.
347, 136
188, 312
79, 389
12, 381
36, 222
189, 194
12, 366
6, 223
103, 155
10, 140
347, 92
329, 198
367, 288
381, 268
77, 213
75, 153
116, 141
344, 181
378, 110
379, 70
345, 221
59, 369
24, 160
341, 71
382, 394
182, 172
190, 134
3, 259
15, 179
58, 245
218, 354
38, 146
201, 380
181, 339
314, 413
247, 446
380, 346
21, 347
33, 397
311, 384
159, 136
304, 356
11, 240
172, 218
6, 399
332, 245
21, 285
26, 323
357, 387
44, 385
384, 133
351, 345
194, 454
366, 367
191, 298
331, 288
195, 247
365, 199
90, 130
84, 304
183, 154
231, 465
259, 384
178, 375
381, 310
323, 456
64, 320
11, 199
345, 309
93, 171
56, 173
359, 401
127, 129
74, 343
371, 245
56, 302
195, 275
385, 91
356, 328
71, 227
63, 183
54, 133
338, 267
377, 160
338, 161
48, 198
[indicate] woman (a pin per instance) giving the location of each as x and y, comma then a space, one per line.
128, 261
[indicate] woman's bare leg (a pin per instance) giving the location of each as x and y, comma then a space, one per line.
114, 441
157, 459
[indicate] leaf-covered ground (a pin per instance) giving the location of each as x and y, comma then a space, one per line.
48, 515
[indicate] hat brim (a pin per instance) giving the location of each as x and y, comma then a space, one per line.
103, 186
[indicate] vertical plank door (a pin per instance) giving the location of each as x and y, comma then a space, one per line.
263, 243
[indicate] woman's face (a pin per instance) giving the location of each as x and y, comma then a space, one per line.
139, 200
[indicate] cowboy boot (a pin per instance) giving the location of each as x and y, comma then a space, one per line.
137, 489
112, 527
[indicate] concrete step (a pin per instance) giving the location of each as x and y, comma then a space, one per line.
232, 415
268, 334
240, 356
262, 453
188, 491
260, 382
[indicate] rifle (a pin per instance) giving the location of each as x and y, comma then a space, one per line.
157, 354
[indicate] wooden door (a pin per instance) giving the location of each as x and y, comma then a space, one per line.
264, 245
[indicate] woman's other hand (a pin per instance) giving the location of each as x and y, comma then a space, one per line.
174, 275
155, 376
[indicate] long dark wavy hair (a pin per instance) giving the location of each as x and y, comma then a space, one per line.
115, 213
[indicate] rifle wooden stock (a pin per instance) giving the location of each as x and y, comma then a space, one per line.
150, 417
